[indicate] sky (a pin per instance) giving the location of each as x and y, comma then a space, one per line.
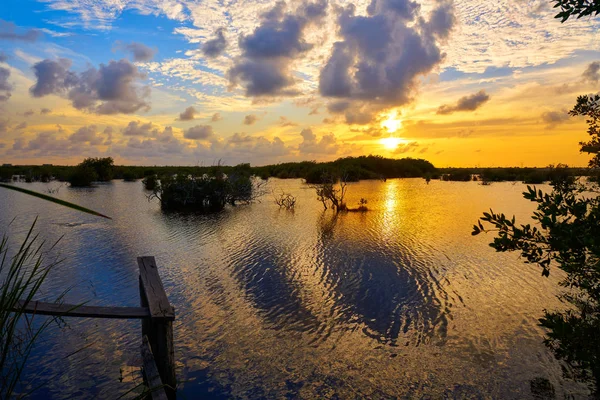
196, 82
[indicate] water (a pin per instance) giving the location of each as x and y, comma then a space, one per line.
398, 302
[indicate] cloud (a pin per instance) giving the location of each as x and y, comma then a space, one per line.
216, 46
310, 145
284, 122
199, 132
3, 56
110, 89
22, 125
591, 72
87, 134
47, 143
8, 32
553, 118
216, 117
250, 119
467, 103
406, 148
380, 57
264, 68
246, 148
5, 86
45, 111
28, 113
137, 128
140, 52
188, 114
4, 124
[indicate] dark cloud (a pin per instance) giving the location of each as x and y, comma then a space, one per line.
267, 53
216, 46
188, 114
338, 106
467, 103
381, 56
5, 86
199, 132
3, 56
310, 145
553, 118
22, 125
137, 128
110, 89
87, 134
47, 143
216, 117
140, 52
591, 73
8, 32
28, 113
406, 148
4, 124
250, 119
108, 132
45, 111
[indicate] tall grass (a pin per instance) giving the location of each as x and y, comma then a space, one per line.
21, 276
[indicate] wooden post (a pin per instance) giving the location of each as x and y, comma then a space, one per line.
159, 327
151, 375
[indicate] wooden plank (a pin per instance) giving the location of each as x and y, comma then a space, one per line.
151, 375
70, 310
158, 303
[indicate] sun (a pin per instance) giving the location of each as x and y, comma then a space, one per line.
391, 143
392, 123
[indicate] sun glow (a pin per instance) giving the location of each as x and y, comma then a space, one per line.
392, 123
391, 143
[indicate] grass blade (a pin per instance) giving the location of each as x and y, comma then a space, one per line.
54, 200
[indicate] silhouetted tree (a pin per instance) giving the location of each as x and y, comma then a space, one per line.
331, 191
578, 8
566, 234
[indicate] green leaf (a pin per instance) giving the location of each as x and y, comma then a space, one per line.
53, 200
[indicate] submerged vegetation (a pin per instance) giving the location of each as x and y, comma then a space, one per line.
92, 170
208, 192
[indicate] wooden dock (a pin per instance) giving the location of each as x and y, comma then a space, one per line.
157, 316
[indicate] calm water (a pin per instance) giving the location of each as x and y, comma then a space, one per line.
400, 301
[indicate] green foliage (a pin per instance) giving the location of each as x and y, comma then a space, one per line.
23, 274
91, 170
355, 168
209, 192
461, 175
576, 8
565, 233
103, 167
129, 176
150, 182
82, 177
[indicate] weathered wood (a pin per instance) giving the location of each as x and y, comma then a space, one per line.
159, 327
151, 375
70, 310
152, 286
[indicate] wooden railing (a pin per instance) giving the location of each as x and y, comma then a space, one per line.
157, 317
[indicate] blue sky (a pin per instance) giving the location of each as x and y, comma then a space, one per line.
185, 82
